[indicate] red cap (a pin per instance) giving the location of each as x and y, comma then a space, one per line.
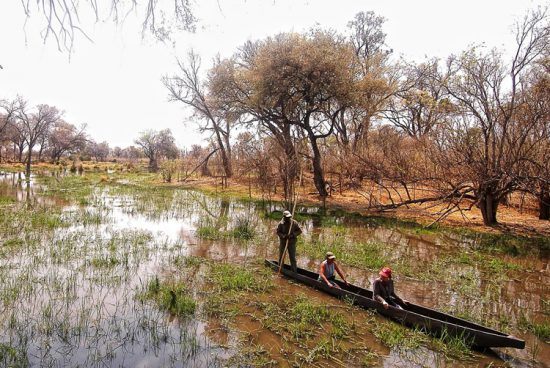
386, 271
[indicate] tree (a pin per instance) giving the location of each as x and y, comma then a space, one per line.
99, 151
232, 90
188, 88
65, 138
488, 140
420, 103
33, 127
286, 90
132, 153
536, 108
156, 145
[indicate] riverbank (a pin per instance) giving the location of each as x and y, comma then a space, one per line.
512, 221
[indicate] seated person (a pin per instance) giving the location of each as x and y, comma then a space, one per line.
383, 292
326, 271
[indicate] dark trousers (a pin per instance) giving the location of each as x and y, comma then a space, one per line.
291, 250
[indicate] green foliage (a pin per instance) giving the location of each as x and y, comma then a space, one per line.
12, 357
171, 296
244, 228
456, 346
230, 277
208, 232
541, 330
395, 335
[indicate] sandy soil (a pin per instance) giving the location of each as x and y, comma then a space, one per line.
512, 219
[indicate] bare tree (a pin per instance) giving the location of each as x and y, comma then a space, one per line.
34, 126
420, 103
65, 138
188, 88
156, 145
492, 145
99, 151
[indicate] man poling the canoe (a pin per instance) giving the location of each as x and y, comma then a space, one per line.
327, 268
383, 291
288, 231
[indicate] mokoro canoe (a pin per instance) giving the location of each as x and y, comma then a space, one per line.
411, 315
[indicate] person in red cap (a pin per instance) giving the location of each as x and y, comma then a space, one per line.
383, 292
327, 268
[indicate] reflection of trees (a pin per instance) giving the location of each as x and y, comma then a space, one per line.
28, 194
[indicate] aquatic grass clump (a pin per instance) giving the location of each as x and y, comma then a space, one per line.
393, 335
6, 200
105, 262
367, 255
72, 188
208, 232
541, 330
458, 347
12, 357
189, 261
172, 296
233, 284
497, 265
244, 228
302, 318
17, 220
230, 277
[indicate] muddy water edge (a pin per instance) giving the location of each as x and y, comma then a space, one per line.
105, 269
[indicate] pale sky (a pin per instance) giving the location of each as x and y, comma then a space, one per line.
113, 84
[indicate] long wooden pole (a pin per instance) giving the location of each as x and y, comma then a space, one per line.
295, 195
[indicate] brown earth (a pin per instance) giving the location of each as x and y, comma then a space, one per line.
519, 217
515, 218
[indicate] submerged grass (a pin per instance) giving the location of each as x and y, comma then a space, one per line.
12, 357
539, 329
81, 266
231, 277
243, 228
172, 296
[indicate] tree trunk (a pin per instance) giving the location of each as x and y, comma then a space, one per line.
153, 165
290, 170
228, 167
488, 205
544, 203
226, 161
318, 175
205, 171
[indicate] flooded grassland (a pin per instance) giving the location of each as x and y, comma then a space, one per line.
107, 270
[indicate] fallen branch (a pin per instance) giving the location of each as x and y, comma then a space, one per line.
199, 165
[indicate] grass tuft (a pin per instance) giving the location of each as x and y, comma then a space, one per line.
171, 296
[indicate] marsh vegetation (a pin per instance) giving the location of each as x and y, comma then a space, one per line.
109, 269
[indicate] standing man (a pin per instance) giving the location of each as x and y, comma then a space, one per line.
288, 231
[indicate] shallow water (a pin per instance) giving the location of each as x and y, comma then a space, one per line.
69, 298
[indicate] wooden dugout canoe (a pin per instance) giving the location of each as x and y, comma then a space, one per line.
412, 315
